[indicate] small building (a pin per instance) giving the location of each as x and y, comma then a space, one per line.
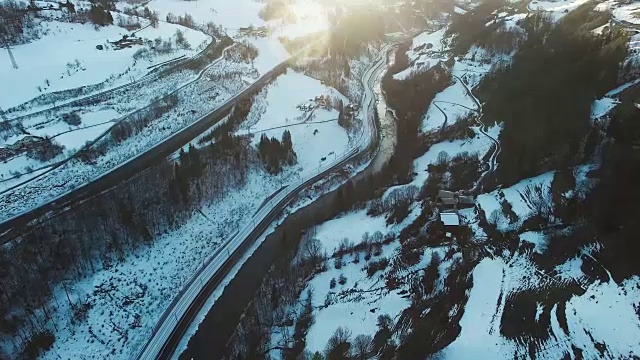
446, 194
466, 200
450, 219
449, 200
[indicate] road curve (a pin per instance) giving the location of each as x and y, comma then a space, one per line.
496, 151
178, 317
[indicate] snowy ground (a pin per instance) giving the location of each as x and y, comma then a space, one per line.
74, 61
605, 314
490, 202
426, 52
97, 119
357, 304
479, 145
291, 104
308, 16
150, 277
628, 13
557, 9
218, 84
449, 106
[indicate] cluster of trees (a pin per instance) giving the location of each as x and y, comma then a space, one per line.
471, 29
238, 113
410, 98
72, 118
431, 9
274, 9
88, 237
275, 154
275, 302
609, 213
44, 150
15, 22
186, 20
182, 41
544, 97
459, 172
146, 13
100, 13
344, 117
249, 52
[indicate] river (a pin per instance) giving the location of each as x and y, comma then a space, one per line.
210, 339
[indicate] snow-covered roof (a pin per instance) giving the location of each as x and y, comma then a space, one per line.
450, 219
445, 194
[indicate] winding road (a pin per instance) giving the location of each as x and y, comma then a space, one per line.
496, 148
180, 314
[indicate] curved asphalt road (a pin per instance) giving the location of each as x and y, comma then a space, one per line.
178, 317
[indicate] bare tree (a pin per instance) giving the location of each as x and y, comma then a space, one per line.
338, 345
362, 346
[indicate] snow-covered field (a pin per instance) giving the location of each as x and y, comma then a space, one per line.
307, 17
557, 9
72, 59
293, 104
629, 13
490, 202
128, 298
454, 102
77, 40
195, 100
479, 145
357, 304
604, 315
426, 52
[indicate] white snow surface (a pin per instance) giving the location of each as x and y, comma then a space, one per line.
602, 107
151, 276
628, 13
347, 308
490, 202
282, 113
478, 322
425, 53
333, 231
64, 43
608, 313
454, 101
557, 9
536, 238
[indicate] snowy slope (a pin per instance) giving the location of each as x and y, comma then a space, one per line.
135, 291
357, 304
315, 132
426, 52
490, 202
66, 43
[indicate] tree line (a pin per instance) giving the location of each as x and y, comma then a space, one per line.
275, 154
